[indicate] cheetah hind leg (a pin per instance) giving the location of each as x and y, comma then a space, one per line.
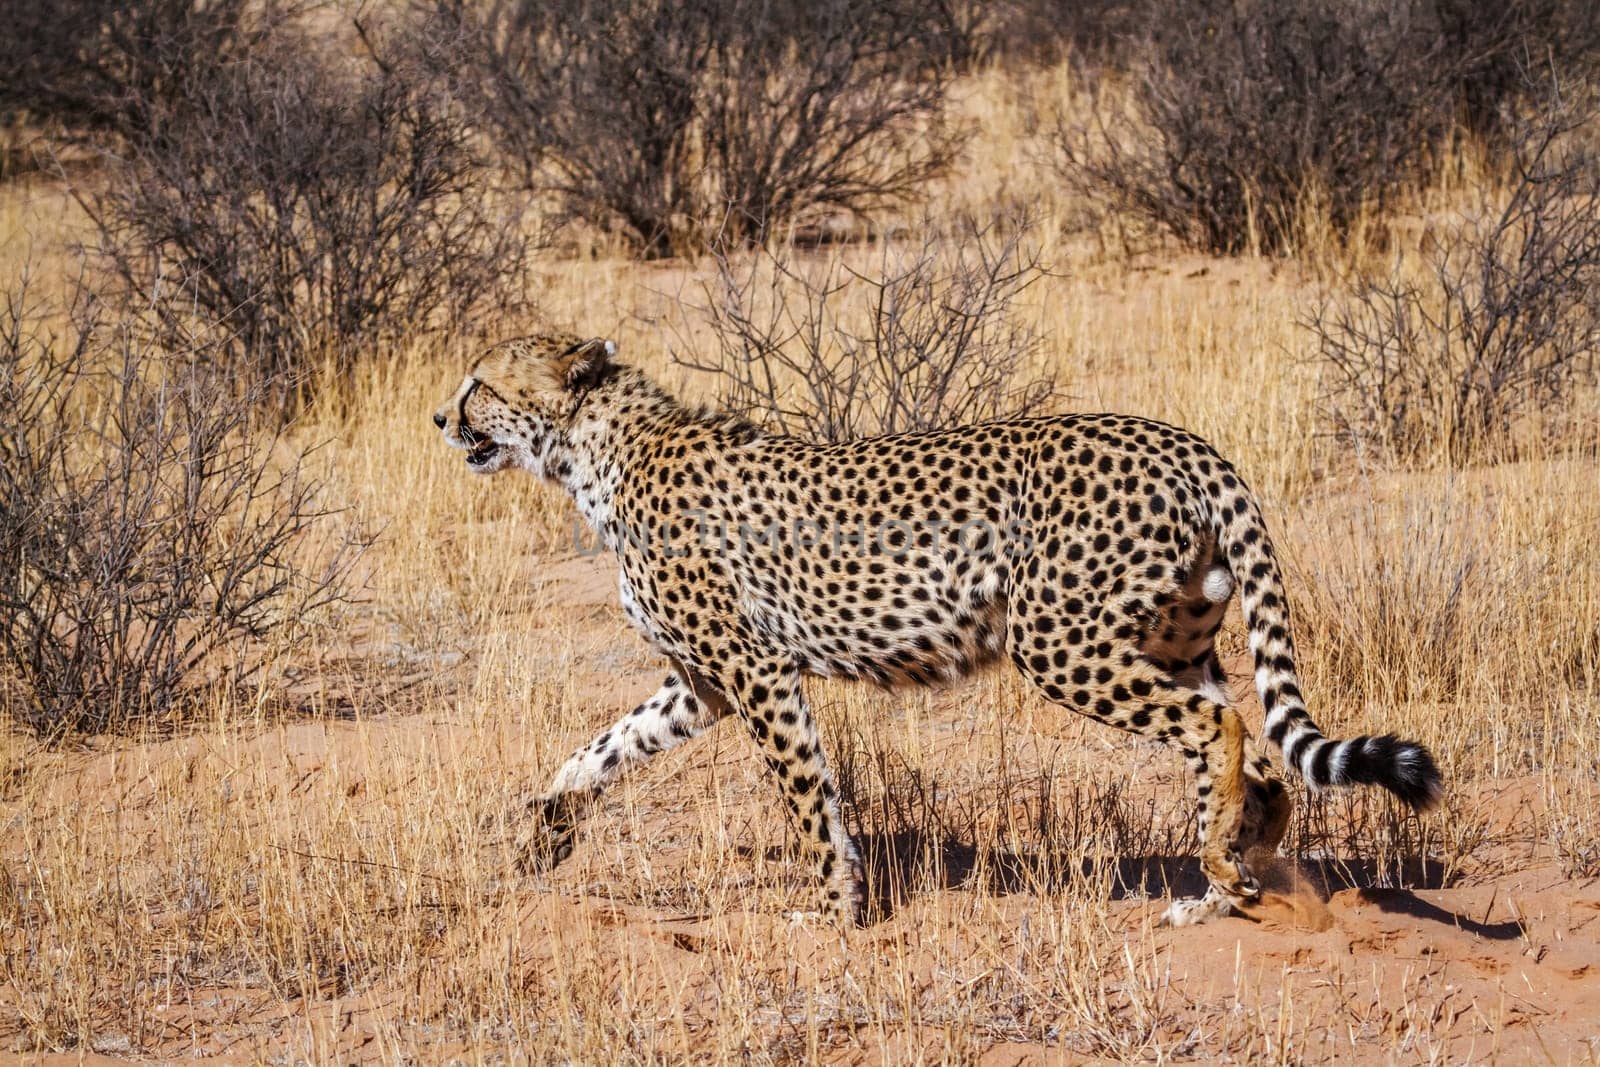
1266, 820
1135, 695
1290, 895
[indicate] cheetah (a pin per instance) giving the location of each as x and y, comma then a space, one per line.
1097, 552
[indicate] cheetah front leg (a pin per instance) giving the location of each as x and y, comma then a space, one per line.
768, 697
674, 714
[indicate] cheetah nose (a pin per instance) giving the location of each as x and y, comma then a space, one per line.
438, 419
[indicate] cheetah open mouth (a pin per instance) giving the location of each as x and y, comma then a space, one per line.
481, 453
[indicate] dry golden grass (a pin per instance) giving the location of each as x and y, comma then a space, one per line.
314, 884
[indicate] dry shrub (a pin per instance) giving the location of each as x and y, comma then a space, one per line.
101, 69
319, 208
153, 530
1246, 118
1493, 46
1251, 126
1044, 32
688, 125
932, 337
1503, 326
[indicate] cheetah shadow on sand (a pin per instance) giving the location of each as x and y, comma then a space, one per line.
900, 867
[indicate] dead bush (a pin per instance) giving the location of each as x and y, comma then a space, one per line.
683, 126
320, 209
92, 68
812, 346
1503, 325
1494, 45
1244, 119
154, 527
1043, 32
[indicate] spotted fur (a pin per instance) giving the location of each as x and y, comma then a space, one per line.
1113, 546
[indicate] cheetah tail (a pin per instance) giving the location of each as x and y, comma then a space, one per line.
1404, 768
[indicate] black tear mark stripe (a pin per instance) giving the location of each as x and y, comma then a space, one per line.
461, 410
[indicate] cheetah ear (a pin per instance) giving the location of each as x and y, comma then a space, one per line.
584, 365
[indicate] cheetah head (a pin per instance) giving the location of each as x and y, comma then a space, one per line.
517, 404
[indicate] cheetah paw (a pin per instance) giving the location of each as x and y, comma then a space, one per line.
1193, 912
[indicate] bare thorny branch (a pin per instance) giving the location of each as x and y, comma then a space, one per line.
155, 526
931, 336
703, 124
1245, 122
1503, 325
324, 208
